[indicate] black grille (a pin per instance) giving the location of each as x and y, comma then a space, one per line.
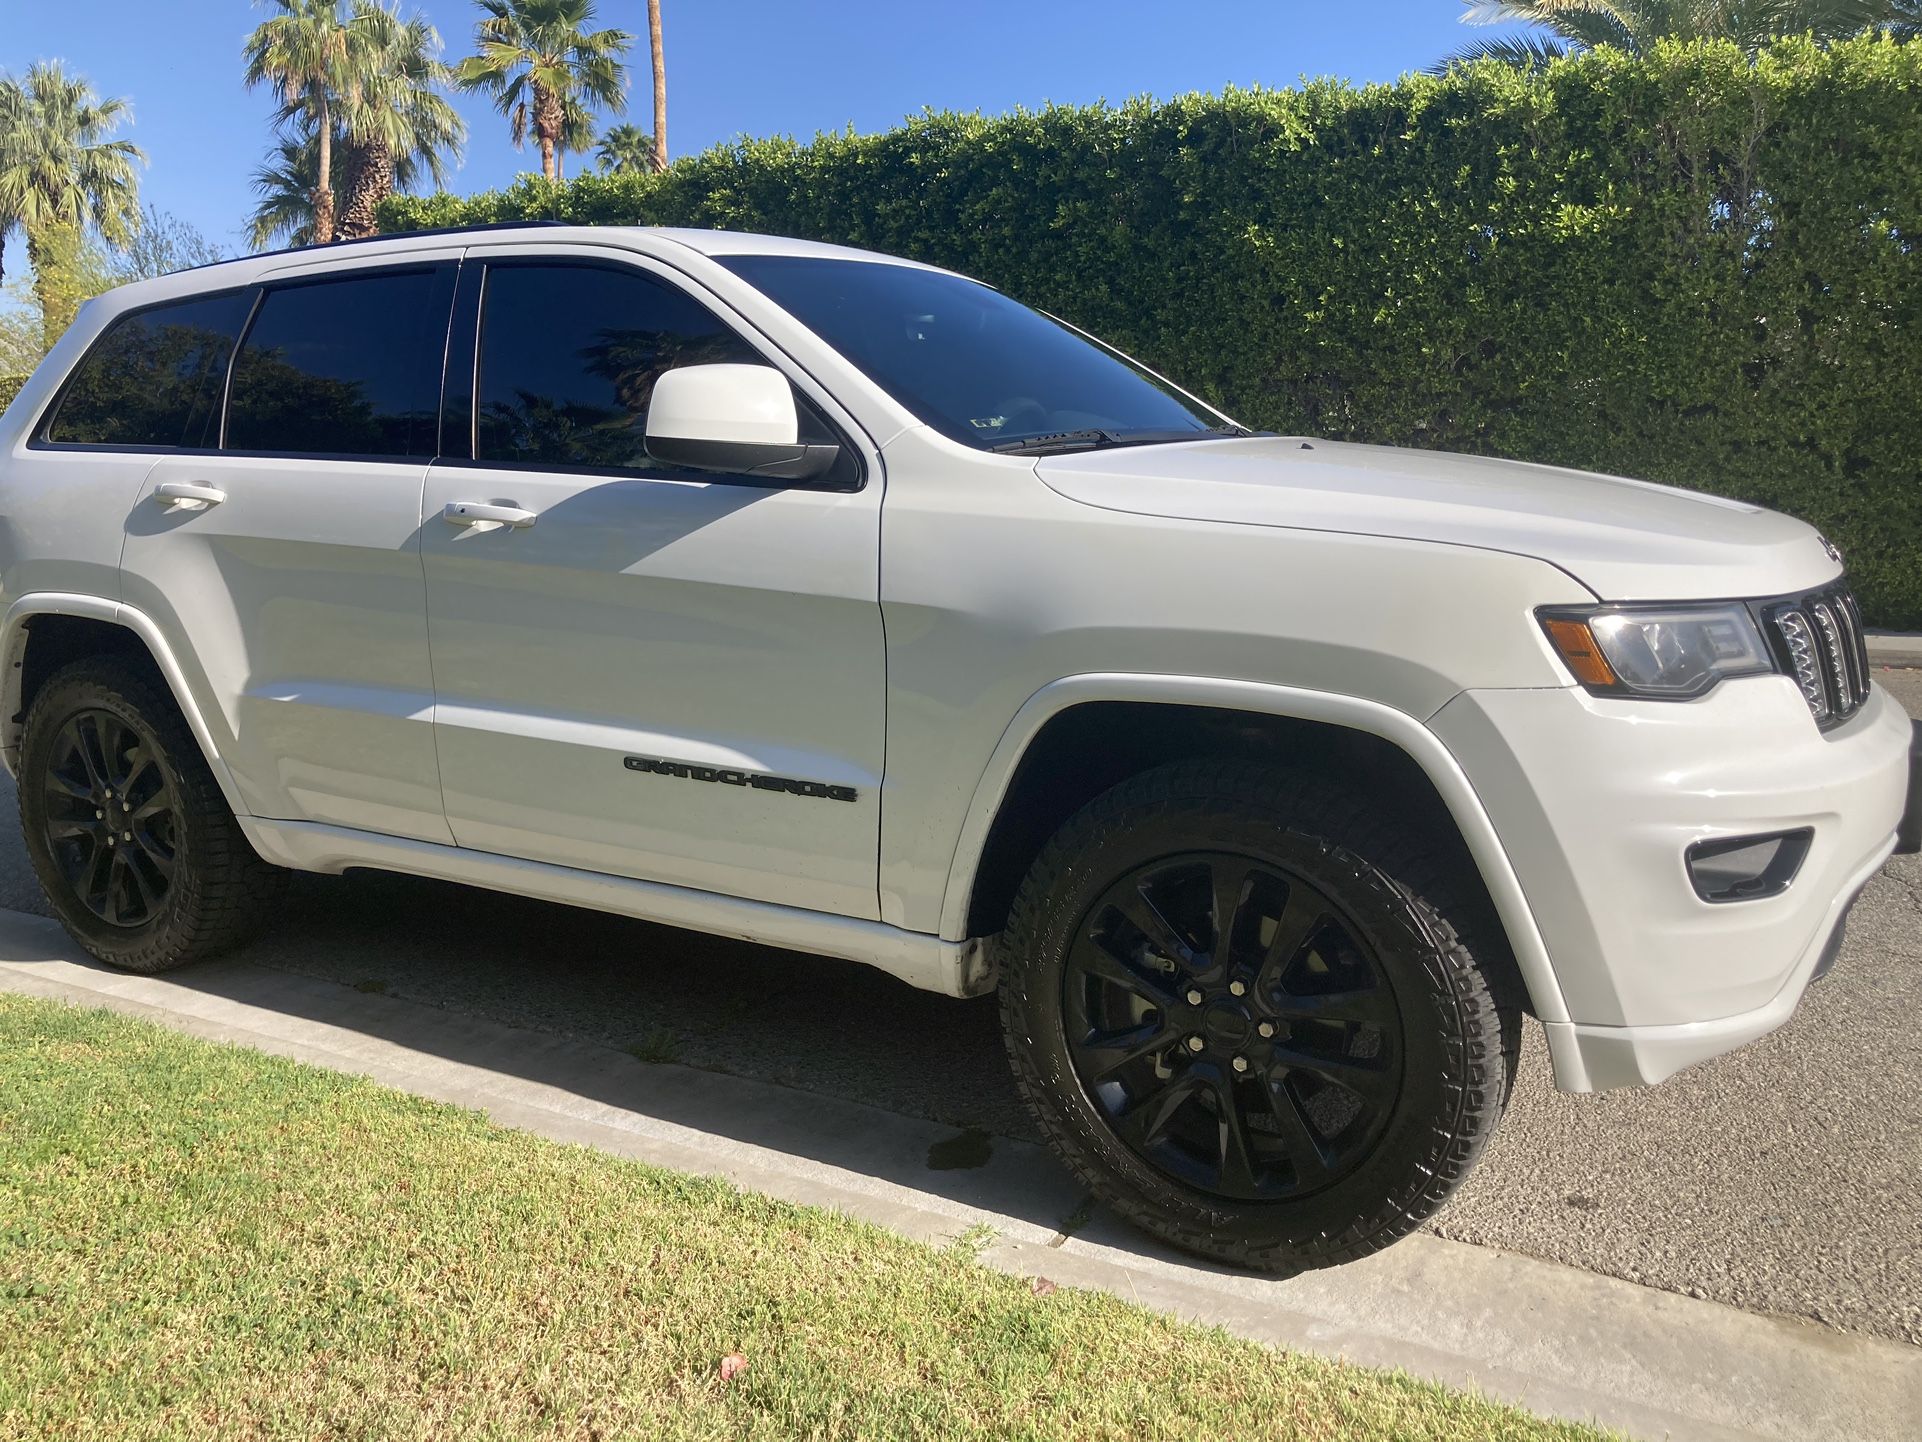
1817, 640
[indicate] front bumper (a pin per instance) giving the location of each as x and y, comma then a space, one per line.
1597, 800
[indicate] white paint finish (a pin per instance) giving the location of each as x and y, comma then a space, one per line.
298, 609
1596, 799
995, 587
1626, 540
1404, 731
677, 620
952, 968
733, 403
743, 629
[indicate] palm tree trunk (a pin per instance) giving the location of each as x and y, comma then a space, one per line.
549, 121
324, 188
660, 83
52, 252
369, 180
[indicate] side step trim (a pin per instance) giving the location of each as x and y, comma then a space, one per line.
958, 969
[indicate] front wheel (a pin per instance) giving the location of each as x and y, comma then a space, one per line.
1244, 1007
126, 827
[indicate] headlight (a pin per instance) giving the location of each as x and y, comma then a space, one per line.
1669, 653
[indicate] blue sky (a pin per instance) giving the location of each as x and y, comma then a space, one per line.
757, 67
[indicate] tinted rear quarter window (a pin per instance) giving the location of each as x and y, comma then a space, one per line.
346, 367
154, 378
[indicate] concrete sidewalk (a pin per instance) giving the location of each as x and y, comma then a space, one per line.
1555, 1339
1894, 648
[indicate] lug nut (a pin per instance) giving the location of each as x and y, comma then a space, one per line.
1194, 998
1237, 988
126, 836
1195, 1043
100, 816
1241, 1063
1266, 1028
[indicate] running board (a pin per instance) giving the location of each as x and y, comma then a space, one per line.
953, 968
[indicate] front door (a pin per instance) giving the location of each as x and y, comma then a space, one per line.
641, 671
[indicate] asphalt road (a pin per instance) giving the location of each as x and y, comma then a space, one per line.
1782, 1179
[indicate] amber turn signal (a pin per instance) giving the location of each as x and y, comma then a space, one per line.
1577, 647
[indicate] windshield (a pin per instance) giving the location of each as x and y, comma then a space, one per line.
973, 364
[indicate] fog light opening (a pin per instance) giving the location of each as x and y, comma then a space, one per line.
1747, 868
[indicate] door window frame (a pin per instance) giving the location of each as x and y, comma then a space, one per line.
445, 269
460, 392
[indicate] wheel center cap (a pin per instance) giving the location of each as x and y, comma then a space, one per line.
1226, 1024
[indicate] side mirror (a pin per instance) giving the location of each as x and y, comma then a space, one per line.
735, 418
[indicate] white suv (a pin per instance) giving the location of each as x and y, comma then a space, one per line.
825, 599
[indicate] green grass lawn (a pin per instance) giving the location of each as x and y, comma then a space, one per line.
201, 1241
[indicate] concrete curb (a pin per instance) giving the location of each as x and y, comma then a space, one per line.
1560, 1341
1890, 648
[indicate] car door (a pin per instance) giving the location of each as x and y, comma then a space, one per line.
283, 566
665, 674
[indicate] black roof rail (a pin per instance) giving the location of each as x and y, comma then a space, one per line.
408, 235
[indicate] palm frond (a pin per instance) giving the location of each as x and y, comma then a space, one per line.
1524, 52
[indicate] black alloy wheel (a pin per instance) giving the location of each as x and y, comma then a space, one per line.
126, 827
1232, 1025
111, 818
1265, 1015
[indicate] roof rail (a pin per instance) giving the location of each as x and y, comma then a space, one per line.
409, 234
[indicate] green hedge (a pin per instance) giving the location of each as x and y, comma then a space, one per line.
9, 388
1685, 267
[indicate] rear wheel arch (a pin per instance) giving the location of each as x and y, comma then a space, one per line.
43, 632
1081, 736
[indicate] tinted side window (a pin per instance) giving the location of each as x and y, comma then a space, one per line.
568, 360
154, 378
346, 367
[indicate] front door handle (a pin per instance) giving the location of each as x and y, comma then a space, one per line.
475, 513
189, 495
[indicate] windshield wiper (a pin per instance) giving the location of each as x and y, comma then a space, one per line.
1093, 439
1084, 440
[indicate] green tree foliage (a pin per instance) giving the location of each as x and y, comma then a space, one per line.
1684, 266
545, 69
1636, 25
625, 147
62, 174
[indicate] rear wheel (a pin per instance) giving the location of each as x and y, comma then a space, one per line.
1245, 1007
126, 828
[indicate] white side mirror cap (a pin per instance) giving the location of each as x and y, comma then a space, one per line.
738, 404
738, 419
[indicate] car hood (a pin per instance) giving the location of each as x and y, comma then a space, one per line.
1625, 540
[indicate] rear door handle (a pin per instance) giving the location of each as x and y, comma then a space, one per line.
474, 513
189, 494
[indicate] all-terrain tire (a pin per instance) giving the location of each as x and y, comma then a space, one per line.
1400, 889
217, 891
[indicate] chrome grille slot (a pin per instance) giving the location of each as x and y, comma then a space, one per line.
1818, 641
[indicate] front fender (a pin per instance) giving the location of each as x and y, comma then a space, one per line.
1398, 728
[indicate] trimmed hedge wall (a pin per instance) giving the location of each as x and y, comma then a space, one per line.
1686, 267
9, 388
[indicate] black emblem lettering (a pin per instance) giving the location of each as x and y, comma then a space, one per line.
758, 780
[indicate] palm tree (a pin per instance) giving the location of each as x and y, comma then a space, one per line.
13, 123
311, 56
626, 148
284, 185
61, 173
1635, 25
660, 83
393, 113
536, 58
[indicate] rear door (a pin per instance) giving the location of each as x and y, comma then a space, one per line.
284, 563
664, 674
